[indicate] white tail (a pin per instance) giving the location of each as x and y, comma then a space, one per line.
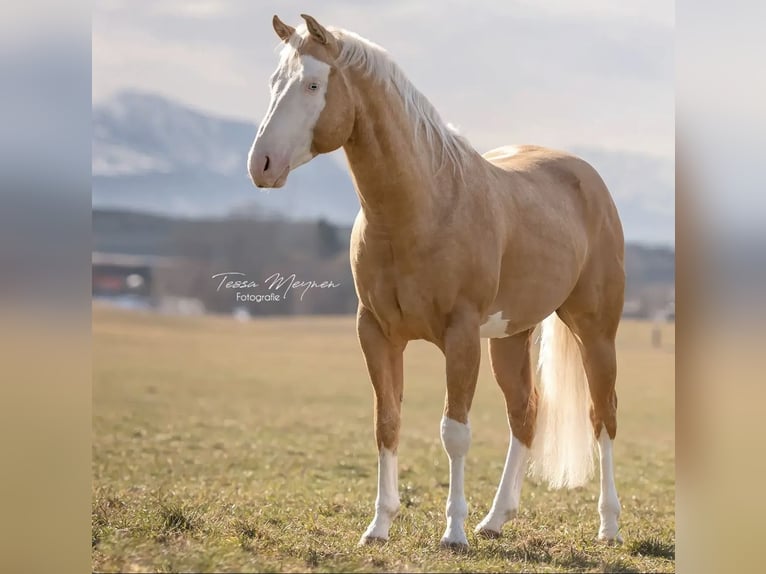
564, 444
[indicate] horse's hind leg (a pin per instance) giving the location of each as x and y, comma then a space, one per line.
600, 366
510, 359
596, 331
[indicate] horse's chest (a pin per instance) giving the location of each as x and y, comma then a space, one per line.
405, 299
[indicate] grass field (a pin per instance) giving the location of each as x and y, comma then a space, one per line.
235, 447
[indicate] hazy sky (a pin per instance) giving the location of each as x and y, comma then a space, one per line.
595, 73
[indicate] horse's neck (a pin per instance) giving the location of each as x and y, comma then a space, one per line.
391, 163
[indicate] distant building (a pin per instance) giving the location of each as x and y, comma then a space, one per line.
131, 281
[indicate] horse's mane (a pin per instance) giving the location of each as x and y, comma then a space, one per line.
357, 52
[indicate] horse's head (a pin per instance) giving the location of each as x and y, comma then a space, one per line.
311, 109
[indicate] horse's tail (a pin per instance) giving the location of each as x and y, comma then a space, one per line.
564, 443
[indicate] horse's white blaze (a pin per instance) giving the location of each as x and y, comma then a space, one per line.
608, 502
456, 439
506, 502
297, 100
387, 502
494, 327
318, 72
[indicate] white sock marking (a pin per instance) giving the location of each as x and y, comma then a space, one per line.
456, 439
387, 502
608, 502
506, 502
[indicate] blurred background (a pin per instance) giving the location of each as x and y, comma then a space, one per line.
179, 86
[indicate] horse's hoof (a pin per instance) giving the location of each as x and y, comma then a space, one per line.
371, 540
485, 532
461, 547
616, 541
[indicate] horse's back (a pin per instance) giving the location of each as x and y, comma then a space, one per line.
513, 157
537, 162
549, 176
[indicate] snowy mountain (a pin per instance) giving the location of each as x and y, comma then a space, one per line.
155, 155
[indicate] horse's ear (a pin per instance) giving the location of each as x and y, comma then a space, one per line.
283, 30
317, 31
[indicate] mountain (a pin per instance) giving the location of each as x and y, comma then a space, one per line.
154, 155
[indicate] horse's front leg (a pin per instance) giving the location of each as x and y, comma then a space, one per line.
462, 350
385, 366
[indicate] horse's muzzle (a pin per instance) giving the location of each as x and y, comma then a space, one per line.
268, 171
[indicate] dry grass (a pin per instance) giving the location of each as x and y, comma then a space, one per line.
223, 446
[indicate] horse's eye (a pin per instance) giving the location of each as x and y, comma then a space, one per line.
313, 86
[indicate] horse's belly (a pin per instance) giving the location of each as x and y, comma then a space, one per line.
501, 323
524, 299
495, 326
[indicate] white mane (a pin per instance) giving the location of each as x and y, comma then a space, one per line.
373, 60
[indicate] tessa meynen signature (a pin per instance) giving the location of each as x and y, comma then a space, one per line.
273, 283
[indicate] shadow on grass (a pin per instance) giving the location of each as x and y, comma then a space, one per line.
538, 551
314, 558
532, 549
616, 566
653, 547
177, 518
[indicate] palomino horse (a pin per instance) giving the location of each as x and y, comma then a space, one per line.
450, 246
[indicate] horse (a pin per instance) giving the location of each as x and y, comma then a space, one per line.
452, 247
